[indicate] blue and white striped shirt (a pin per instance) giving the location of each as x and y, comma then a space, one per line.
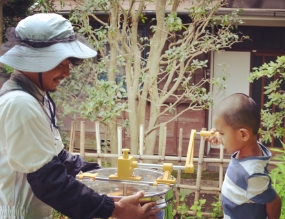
247, 187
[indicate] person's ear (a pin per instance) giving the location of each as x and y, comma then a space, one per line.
244, 134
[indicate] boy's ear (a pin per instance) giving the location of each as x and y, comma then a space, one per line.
244, 134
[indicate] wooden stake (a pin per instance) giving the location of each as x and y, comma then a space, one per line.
199, 169
164, 145
98, 141
141, 140
179, 171
72, 136
82, 139
119, 141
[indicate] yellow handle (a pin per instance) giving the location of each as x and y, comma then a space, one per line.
207, 133
82, 175
189, 167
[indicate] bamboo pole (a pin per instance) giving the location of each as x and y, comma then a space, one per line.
203, 213
156, 157
221, 169
119, 141
178, 180
98, 141
199, 169
203, 189
82, 139
141, 141
106, 145
167, 158
161, 137
72, 136
164, 145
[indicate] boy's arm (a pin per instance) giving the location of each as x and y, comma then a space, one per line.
273, 209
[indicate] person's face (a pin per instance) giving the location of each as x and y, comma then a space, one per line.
52, 78
227, 135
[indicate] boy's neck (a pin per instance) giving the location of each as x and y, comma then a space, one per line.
251, 149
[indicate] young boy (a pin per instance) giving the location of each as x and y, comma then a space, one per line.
247, 191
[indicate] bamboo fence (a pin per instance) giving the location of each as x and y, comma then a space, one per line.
161, 158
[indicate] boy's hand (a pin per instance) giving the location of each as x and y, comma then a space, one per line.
213, 139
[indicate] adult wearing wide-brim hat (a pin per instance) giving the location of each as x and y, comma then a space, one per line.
37, 175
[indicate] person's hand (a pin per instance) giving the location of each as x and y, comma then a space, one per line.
129, 207
213, 139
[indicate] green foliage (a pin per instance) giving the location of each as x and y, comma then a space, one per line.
9, 70
102, 102
14, 11
173, 22
272, 122
48, 6
58, 215
6, 71
15, 8
277, 176
155, 64
217, 211
183, 208
84, 95
198, 207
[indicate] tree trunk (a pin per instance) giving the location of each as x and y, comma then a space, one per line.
133, 116
150, 85
111, 77
113, 140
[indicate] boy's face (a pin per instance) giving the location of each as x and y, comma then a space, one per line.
227, 135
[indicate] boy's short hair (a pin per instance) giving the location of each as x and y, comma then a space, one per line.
239, 111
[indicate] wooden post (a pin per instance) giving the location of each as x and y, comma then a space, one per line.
119, 141
72, 136
199, 169
141, 141
179, 171
98, 141
82, 139
161, 138
221, 170
164, 145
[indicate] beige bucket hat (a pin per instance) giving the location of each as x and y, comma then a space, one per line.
41, 41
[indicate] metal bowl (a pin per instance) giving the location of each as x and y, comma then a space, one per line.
162, 194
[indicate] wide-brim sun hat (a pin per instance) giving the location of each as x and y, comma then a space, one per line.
41, 42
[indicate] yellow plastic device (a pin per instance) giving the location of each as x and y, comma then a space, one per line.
189, 167
82, 175
126, 165
166, 178
206, 133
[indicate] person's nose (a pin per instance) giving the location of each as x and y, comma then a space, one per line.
66, 71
